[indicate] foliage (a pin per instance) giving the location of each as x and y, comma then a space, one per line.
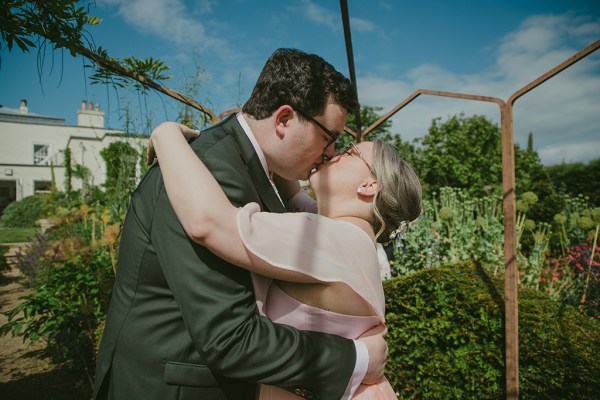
72, 287
531, 176
453, 227
446, 339
35, 258
68, 171
457, 227
368, 116
465, 152
578, 178
62, 21
462, 153
121, 160
24, 213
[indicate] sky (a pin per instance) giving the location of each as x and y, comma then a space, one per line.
485, 47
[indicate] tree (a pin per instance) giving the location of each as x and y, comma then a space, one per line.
62, 24
578, 178
463, 152
368, 116
531, 176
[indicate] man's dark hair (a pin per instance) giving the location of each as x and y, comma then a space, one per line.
303, 81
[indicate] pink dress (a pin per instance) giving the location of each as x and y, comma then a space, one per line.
329, 250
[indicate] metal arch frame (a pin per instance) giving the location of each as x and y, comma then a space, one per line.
508, 186
511, 273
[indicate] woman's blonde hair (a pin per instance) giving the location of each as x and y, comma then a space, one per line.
399, 197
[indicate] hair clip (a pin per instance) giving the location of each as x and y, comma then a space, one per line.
399, 233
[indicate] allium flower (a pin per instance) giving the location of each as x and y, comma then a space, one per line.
529, 224
560, 219
446, 214
529, 198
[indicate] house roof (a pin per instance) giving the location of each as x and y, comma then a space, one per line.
14, 115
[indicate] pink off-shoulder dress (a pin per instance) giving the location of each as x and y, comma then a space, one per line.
328, 250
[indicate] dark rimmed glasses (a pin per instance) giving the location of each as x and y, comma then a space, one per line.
332, 136
347, 149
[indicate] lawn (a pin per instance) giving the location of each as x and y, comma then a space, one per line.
16, 235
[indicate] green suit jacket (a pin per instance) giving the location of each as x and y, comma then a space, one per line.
182, 322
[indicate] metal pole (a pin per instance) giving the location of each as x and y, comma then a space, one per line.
350, 55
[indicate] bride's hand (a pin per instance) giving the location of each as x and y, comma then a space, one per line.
188, 133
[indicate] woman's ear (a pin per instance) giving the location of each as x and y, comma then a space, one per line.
282, 118
368, 188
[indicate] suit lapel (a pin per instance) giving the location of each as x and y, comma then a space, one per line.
262, 184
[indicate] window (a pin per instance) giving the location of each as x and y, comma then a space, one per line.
40, 187
40, 154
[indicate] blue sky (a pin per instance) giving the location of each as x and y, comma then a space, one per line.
490, 48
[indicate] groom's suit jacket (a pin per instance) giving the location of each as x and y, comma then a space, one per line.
182, 323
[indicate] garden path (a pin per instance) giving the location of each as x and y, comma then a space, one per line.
25, 372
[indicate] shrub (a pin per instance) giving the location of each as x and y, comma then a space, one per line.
72, 270
38, 255
446, 339
23, 213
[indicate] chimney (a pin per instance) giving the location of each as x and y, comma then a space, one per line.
90, 116
23, 109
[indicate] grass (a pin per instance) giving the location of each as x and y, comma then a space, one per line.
16, 235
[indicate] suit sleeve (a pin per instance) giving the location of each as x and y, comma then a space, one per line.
218, 307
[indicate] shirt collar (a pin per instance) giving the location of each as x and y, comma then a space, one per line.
252, 138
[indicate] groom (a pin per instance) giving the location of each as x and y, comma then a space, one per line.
182, 323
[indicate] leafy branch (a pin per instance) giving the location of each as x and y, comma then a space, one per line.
34, 24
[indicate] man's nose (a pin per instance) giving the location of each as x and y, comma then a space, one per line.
329, 152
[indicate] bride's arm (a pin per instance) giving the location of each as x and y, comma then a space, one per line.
206, 214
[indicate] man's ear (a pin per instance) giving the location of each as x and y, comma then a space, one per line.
368, 188
281, 119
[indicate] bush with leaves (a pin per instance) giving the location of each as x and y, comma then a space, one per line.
446, 339
24, 213
121, 160
73, 289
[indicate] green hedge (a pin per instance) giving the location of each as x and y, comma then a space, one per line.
23, 213
446, 339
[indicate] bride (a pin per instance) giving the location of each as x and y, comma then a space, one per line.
316, 272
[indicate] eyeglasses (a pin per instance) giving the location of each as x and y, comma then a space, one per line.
332, 136
352, 146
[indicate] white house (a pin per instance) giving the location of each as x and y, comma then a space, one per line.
32, 146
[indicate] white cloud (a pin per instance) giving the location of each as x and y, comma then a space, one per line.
330, 18
361, 25
170, 20
570, 152
319, 15
562, 113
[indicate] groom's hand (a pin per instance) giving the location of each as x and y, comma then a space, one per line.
378, 351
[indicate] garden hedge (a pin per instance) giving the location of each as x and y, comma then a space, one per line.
446, 339
24, 213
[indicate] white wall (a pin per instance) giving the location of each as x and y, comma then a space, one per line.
17, 142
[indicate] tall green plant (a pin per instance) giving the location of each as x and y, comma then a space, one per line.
68, 171
121, 160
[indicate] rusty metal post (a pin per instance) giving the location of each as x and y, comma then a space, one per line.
511, 268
